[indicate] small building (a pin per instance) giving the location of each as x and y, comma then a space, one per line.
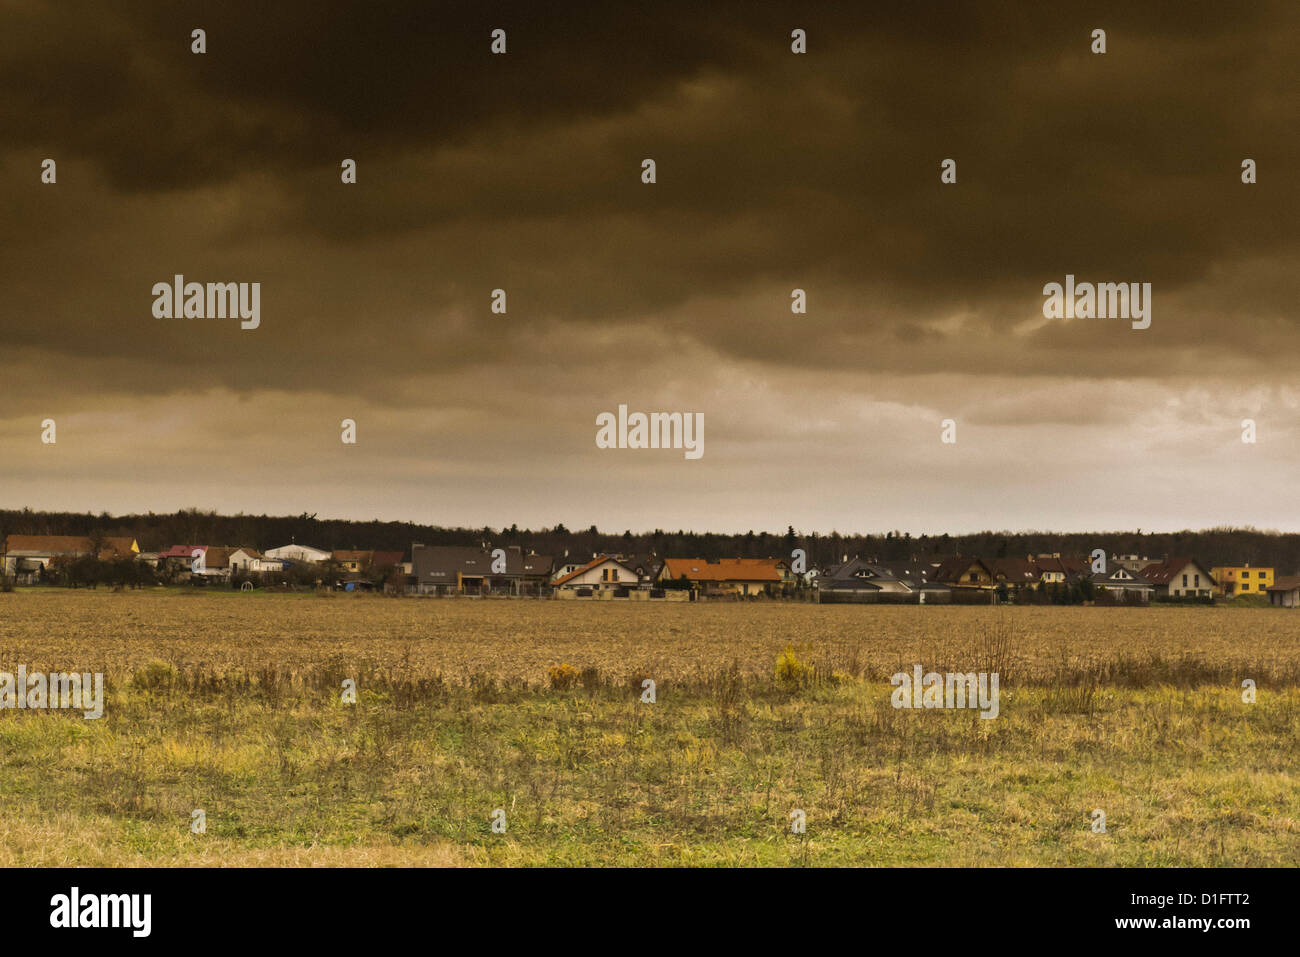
298, 553
1234, 580
351, 560
1285, 592
249, 561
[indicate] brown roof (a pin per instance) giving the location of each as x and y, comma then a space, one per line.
218, 556
1162, 573
538, 565
1013, 569
1285, 583
951, 569
119, 546
723, 570
385, 559
1065, 565
351, 555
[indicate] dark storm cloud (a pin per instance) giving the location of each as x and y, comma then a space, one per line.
819, 171
522, 172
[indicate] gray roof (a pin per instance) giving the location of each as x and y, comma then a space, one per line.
859, 575
441, 563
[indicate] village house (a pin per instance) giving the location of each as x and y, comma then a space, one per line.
177, 558
298, 553
1133, 563
216, 562
25, 557
1119, 582
536, 570
567, 563
1234, 580
646, 566
1285, 592
603, 573
860, 576
451, 569
725, 576
965, 574
383, 561
249, 561
1179, 578
858, 580
1017, 574
348, 560
1055, 570
468, 570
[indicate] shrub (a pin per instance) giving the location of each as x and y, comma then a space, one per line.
789, 669
155, 676
563, 677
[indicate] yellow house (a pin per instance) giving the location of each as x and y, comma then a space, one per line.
1234, 580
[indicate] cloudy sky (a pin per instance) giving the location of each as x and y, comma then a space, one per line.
775, 171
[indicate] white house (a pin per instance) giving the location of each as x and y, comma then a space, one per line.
297, 553
601, 573
1179, 578
250, 560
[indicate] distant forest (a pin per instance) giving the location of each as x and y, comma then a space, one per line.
155, 532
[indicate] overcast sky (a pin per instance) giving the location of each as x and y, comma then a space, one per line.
775, 171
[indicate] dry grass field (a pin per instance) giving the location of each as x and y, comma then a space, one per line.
232, 703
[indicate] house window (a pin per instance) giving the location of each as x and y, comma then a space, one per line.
1184, 581
1198, 581
1245, 586
974, 576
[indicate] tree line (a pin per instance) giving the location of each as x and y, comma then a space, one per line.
158, 531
